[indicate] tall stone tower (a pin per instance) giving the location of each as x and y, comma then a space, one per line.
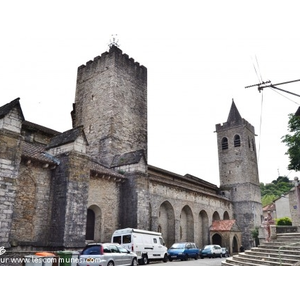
111, 104
239, 171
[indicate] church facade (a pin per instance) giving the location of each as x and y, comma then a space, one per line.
62, 190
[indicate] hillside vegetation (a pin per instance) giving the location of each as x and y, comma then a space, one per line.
273, 190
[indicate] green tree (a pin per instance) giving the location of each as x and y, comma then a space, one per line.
292, 141
272, 191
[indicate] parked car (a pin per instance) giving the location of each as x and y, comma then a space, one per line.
211, 251
106, 254
225, 252
183, 251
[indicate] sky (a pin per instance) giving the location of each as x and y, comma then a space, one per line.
199, 55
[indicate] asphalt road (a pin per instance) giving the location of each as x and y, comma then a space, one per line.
191, 262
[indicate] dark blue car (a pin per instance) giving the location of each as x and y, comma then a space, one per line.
183, 251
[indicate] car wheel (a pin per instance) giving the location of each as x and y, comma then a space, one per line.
196, 257
165, 258
170, 259
201, 256
221, 255
134, 262
110, 264
145, 260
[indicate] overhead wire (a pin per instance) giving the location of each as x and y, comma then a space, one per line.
274, 90
259, 73
260, 124
260, 79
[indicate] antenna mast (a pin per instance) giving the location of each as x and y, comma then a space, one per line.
268, 83
114, 41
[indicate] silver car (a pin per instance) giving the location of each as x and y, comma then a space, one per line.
106, 254
211, 251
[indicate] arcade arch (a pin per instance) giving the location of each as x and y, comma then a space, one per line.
203, 229
226, 215
166, 223
216, 216
186, 224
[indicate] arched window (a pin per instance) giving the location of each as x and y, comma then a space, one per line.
237, 141
224, 143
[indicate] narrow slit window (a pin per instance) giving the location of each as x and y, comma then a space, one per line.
253, 144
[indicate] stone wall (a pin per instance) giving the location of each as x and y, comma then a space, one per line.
32, 208
104, 200
10, 157
70, 195
294, 207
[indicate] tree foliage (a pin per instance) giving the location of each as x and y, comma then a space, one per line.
272, 191
292, 141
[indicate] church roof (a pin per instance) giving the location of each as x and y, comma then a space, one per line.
35, 151
66, 137
129, 158
5, 109
29, 126
97, 168
234, 115
223, 225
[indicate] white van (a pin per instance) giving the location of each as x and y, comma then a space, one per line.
148, 245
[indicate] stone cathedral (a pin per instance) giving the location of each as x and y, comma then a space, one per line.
60, 190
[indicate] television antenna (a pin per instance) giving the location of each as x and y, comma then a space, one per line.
114, 41
268, 84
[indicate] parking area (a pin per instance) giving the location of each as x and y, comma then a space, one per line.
191, 262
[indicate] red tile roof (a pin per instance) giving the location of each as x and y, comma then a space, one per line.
222, 225
34, 151
270, 207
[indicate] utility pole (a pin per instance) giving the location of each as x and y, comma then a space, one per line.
268, 84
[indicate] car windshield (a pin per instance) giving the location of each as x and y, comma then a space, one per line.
178, 246
122, 250
92, 250
207, 247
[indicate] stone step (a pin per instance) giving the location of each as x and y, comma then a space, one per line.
286, 241
282, 251
275, 254
226, 263
281, 243
277, 251
286, 259
253, 260
231, 261
290, 234
287, 237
